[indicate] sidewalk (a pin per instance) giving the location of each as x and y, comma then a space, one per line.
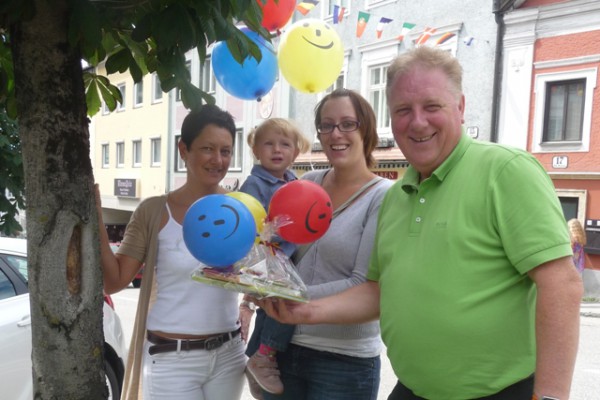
590, 310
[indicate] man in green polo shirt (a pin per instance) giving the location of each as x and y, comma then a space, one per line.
471, 273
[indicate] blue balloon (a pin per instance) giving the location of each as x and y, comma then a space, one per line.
250, 80
218, 230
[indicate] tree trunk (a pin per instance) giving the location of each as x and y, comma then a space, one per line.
62, 228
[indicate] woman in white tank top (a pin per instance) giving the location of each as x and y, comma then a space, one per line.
186, 342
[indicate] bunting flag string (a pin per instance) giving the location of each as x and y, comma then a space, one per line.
444, 38
406, 27
339, 12
383, 22
363, 18
305, 6
424, 37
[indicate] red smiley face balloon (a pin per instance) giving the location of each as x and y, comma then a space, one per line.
305, 210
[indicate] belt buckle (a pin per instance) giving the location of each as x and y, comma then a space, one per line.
213, 343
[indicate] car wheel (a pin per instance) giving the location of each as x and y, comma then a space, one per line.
114, 389
137, 282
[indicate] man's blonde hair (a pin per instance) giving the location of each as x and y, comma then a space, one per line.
427, 58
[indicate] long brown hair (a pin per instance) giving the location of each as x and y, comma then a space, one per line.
364, 114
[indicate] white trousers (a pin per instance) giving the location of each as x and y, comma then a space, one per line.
196, 374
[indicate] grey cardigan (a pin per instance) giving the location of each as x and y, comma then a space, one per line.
340, 260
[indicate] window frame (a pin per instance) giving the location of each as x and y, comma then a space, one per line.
105, 155
179, 163
237, 157
188, 65
565, 109
206, 68
120, 154
540, 88
155, 146
157, 93
123, 89
380, 53
138, 94
136, 153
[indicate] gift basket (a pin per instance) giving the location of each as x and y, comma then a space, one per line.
299, 212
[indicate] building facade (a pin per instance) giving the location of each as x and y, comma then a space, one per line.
551, 103
134, 149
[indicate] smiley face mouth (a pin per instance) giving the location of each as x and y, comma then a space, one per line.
307, 220
324, 47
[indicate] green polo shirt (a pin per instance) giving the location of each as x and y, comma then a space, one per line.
451, 257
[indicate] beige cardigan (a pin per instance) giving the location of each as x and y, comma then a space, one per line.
141, 243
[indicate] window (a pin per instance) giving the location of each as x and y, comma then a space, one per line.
563, 118
376, 95
179, 163
563, 110
573, 202
155, 152
138, 94
157, 92
137, 153
105, 110
208, 81
375, 57
105, 155
120, 154
121, 106
188, 66
237, 158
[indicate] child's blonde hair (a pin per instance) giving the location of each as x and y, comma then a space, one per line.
577, 232
284, 127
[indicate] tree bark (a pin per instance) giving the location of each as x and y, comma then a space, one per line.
62, 228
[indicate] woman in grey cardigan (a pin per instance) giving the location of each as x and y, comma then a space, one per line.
328, 361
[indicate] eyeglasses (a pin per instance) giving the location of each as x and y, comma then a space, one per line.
344, 126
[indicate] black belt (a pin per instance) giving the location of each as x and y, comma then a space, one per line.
164, 345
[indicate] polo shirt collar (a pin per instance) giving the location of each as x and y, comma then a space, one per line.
262, 173
410, 181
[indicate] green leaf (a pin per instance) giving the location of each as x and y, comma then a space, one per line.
92, 99
118, 62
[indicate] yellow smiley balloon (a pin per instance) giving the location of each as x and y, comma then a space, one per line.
311, 55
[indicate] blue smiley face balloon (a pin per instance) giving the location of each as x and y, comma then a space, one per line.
218, 230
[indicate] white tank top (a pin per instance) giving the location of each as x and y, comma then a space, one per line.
182, 305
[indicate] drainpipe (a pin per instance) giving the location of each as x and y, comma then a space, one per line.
500, 8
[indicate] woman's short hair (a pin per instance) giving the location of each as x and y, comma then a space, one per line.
197, 120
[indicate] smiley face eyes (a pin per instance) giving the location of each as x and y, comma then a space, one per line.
216, 222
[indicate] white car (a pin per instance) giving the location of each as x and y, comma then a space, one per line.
15, 329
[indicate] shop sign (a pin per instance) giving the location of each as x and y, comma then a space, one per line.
125, 188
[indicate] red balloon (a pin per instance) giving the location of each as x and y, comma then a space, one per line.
276, 15
305, 209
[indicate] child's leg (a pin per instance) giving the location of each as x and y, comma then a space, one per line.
255, 338
262, 365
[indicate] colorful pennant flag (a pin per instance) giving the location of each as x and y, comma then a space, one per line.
336, 14
425, 36
382, 23
341, 15
363, 18
406, 27
305, 6
444, 38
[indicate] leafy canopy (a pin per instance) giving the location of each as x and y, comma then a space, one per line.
139, 36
